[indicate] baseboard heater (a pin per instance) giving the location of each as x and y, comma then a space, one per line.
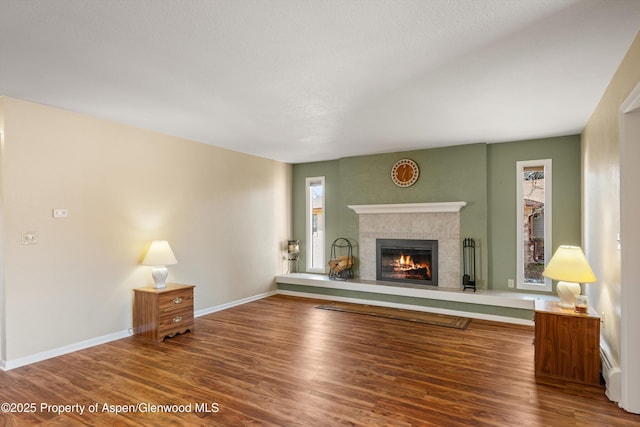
611, 374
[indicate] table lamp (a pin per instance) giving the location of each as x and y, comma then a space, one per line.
159, 255
570, 267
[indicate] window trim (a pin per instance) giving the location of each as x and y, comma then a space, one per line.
548, 213
309, 224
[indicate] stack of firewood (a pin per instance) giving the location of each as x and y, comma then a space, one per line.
341, 263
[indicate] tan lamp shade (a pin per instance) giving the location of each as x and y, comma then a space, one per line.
159, 253
569, 265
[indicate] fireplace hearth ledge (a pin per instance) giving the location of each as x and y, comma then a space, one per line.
481, 297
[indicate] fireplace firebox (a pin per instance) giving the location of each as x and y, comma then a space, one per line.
407, 260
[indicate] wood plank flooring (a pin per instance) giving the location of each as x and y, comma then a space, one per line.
279, 361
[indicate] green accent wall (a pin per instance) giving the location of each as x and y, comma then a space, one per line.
483, 175
502, 158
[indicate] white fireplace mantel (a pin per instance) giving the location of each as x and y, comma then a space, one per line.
408, 208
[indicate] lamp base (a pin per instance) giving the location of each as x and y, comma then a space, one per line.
159, 274
568, 291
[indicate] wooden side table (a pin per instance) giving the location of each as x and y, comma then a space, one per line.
161, 313
567, 344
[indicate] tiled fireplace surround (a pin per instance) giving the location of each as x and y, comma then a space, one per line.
432, 221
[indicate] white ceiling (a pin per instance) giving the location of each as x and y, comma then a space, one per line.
307, 80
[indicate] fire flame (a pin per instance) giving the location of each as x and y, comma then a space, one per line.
405, 262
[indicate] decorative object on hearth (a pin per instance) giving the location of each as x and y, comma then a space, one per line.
570, 267
293, 254
469, 264
405, 172
159, 255
341, 262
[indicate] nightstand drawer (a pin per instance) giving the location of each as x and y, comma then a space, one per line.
178, 321
175, 301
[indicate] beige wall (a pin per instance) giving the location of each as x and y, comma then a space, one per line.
225, 214
2, 328
602, 200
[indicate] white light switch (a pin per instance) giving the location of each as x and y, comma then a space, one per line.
60, 213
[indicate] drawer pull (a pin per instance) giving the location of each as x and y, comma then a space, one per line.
177, 300
177, 319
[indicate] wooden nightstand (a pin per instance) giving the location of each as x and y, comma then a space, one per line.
160, 313
567, 344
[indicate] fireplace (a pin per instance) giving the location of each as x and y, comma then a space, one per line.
430, 221
407, 260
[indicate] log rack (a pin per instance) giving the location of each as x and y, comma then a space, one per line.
341, 263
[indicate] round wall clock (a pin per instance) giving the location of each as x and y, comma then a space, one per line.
405, 173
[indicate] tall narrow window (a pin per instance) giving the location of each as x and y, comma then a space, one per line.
534, 248
315, 247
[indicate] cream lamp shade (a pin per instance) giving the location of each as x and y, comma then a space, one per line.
570, 267
159, 255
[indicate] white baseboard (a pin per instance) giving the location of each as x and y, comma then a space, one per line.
48, 354
481, 316
7, 365
233, 303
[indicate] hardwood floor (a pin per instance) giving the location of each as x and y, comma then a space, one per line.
279, 361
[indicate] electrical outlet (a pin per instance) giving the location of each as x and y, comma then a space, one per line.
29, 238
510, 283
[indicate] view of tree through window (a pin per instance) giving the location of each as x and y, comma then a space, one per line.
533, 233
534, 184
